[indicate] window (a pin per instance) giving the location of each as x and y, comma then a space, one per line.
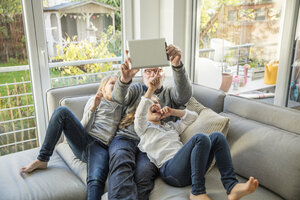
86, 45
83, 46
238, 40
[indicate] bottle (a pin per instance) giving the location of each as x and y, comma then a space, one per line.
235, 82
242, 81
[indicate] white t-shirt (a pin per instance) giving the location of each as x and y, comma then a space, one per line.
160, 142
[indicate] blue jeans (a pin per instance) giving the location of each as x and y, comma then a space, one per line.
191, 162
131, 174
84, 147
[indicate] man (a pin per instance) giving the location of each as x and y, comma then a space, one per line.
131, 173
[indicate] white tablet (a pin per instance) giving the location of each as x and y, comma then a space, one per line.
148, 53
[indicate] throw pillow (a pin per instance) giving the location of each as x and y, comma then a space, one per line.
194, 105
207, 122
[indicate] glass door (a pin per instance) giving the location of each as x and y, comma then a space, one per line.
64, 43
18, 130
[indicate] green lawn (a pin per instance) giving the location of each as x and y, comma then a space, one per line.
12, 64
9, 77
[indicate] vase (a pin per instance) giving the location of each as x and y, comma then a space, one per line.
226, 81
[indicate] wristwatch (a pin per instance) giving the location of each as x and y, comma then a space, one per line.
178, 67
126, 83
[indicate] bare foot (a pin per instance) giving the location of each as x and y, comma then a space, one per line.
37, 164
199, 197
243, 189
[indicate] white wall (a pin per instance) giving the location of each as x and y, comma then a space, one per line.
145, 19
156, 19
149, 19
166, 20
179, 25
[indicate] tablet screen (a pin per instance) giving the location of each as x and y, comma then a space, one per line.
148, 53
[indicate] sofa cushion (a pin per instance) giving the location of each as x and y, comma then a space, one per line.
211, 98
55, 182
214, 189
76, 104
77, 166
281, 117
268, 153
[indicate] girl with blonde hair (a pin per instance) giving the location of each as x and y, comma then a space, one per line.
88, 138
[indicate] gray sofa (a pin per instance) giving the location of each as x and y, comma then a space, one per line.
264, 141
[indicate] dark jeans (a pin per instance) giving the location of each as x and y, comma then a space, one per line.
85, 148
191, 162
131, 174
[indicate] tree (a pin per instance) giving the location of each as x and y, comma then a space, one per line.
209, 7
108, 46
8, 9
114, 3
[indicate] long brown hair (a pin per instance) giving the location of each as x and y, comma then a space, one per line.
127, 120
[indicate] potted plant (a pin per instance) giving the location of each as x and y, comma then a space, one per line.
257, 68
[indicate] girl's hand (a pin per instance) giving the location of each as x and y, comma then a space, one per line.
154, 83
166, 112
97, 101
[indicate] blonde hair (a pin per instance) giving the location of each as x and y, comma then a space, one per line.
104, 81
129, 118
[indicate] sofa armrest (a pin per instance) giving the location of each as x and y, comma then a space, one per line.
55, 95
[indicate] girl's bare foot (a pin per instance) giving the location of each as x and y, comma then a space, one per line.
199, 197
243, 189
37, 164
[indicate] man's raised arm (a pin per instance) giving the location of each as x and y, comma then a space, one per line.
122, 93
182, 91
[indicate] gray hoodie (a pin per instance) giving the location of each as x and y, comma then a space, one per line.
130, 95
